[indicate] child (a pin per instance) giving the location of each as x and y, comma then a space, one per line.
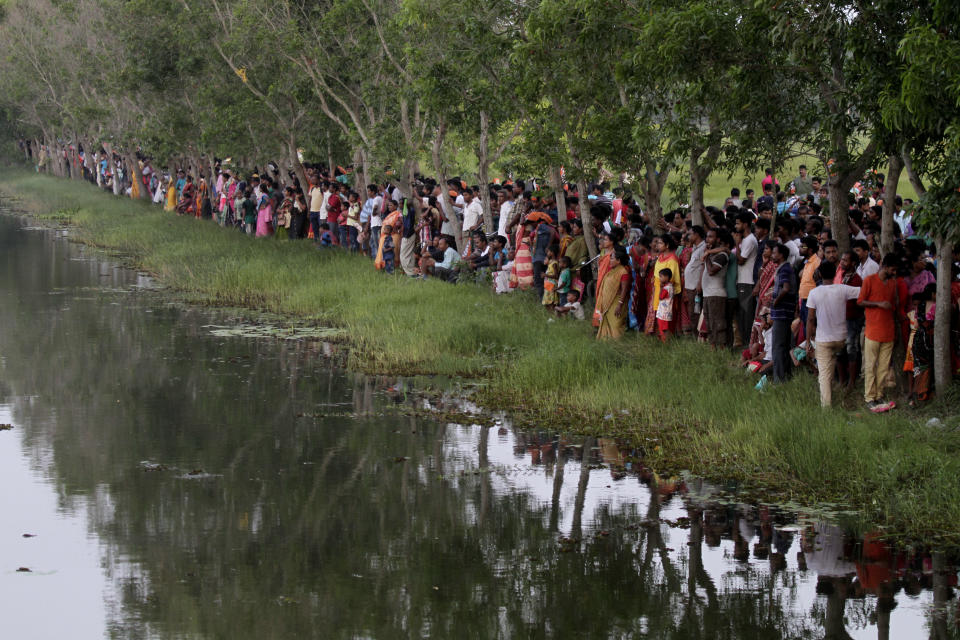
757, 358
326, 238
550, 275
572, 306
388, 248
665, 306
566, 278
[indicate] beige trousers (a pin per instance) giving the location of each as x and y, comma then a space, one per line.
826, 362
876, 368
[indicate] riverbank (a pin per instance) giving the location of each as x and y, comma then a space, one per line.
686, 406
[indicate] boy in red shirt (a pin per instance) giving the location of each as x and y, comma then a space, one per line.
878, 297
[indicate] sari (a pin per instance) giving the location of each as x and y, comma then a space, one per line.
521, 273
187, 204
264, 217
393, 220
610, 325
768, 274
686, 320
650, 281
666, 261
639, 257
171, 198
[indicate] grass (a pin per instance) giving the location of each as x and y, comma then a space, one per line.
687, 407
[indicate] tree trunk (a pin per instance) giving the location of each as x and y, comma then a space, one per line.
483, 160
839, 213
653, 192
582, 191
941, 322
696, 188
441, 171
558, 193
365, 160
330, 167
894, 168
915, 180
136, 174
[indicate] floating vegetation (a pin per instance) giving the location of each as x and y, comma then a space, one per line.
272, 331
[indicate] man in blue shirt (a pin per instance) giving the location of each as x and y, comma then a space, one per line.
782, 311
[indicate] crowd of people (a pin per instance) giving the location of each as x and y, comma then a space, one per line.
761, 276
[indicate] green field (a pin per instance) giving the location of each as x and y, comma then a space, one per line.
687, 407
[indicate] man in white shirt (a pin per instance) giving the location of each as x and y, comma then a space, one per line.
746, 256
828, 326
318, 203
867, 266
691, 278
505, 198
472, 212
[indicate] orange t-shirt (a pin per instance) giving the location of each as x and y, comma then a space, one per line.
879, 325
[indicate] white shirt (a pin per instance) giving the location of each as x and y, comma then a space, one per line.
317, 195
830, 302
748, 251
867, 268
694, 268
794, 246
506, 212
472, 214
376, 218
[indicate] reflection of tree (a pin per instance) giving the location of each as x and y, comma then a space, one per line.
576, 530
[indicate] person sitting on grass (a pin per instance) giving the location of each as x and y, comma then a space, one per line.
326, 237
443, 267
757, 357
572, 306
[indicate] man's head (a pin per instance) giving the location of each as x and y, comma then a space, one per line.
372, 190
861, 249
828, 270
711, 239
831, 251
816, 181
780, 253
889, 266
697, 234
762, 228
803, 171
442, 243
847, 261
468, 195
743, 223
809, 246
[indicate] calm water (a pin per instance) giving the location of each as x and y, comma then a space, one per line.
184, 485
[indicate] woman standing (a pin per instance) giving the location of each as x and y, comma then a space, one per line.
763, 292
666, 260
613, 290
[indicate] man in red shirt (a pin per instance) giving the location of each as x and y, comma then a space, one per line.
878, 297
334, 208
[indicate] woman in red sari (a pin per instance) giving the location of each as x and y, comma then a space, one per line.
188, 203
683, 257
639, 258
763, 290
650, 283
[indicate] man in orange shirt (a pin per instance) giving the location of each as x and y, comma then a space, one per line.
811, 261
878, 297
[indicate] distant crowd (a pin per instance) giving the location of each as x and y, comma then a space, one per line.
762, 275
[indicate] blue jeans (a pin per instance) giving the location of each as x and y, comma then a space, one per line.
374, 241
315, 225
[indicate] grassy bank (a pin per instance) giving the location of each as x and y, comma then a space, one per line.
688, 407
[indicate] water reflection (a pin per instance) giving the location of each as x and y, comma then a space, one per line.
219, 487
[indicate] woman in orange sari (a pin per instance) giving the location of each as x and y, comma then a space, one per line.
521, 273
666, 260
613, 288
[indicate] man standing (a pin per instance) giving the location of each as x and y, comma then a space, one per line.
715, 262
318, 197
691, 278
808, 251
802, 183
505, 199
782, 311
828, 325
878, 297
746, 257
472, 213
334, 208
866, 266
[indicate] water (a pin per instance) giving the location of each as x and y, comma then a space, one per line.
185, 485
